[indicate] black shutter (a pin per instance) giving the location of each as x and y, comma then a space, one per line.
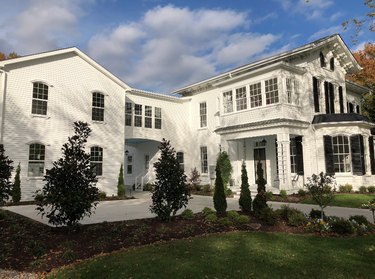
358, 160
372, 157
328, 155
351, 108
331, 98
326, 96
341, 99
299, 155
332, 64
357, 109
316, 93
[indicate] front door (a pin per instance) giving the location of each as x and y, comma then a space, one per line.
260, 156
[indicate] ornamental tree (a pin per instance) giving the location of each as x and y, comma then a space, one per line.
371, 206
223, 162
6, 169
260, 200
16, 191
170, 192
245, 195
220, 201
321, 188
70, 192
121, 183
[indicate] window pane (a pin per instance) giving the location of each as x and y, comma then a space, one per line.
228, 101
148, 122
241, 101
272, 93
255, 95
148, 111
204, 161
98, 100
35, 169
39, 107
341, 154
96, 159
36, 152
97, 114
203, 114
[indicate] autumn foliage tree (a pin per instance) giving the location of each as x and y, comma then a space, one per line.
11, 55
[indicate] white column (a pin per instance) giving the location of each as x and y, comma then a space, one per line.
283, 155
366, 150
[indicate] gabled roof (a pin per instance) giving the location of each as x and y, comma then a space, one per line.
342, 53
58, 52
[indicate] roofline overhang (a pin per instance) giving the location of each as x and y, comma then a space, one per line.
155, 95
363, 124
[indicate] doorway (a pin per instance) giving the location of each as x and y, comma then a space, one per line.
260, 156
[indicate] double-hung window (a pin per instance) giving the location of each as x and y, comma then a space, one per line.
97, 106
157, 118
272, 91
96, 160
341, 154
40, 98
180, 159
36, 160
241, 100
148, 117
228, 101
289, 90
203, 114
204, 159
255, 95
128, 114
137, 115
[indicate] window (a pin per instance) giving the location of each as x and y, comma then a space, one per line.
137, 115
97, 106
255, 95
272, 93
147, 161
36, 160
341, 154
157, 118
128, 114
96, 160
293, 157
129, 168
296, 92
180, 159
228, 101
332, 64
204, 161
203, 114
241, 101
40, 98
148, 117
322, 60
289, 90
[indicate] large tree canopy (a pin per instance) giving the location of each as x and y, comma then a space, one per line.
11, 55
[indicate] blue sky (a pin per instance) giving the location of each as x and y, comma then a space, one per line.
162, 45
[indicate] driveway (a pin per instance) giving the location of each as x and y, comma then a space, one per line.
138, 208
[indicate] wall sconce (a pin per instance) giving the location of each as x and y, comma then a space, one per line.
126, 153
264, 141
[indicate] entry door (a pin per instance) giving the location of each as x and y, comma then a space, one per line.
260, 155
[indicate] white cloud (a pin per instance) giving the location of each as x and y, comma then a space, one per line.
170, 46
312, 9
326, 32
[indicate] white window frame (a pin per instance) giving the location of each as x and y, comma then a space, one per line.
96, 159
137, 115
255, 92
40, 98
36, 158
271, 91
148, 116
241, 98
228, 101
342, 159
98, 104
203, 114
128, 114
157, 120
204, 160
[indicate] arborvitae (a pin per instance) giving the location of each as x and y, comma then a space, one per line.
16, 191
223, 162
261, 182
170, 192
120, 183
6, 169
245, 196
70, 192
220, 201
260, 200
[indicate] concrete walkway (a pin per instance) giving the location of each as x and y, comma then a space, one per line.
111, 211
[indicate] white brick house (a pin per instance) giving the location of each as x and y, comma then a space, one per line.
294, 112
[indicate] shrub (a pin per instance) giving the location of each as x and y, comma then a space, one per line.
284, 212
148, 187
302, 193
371, 189
102, 195
225, 221
317, 214
223, 163
268, 216
362, 190
296, 218
232, 214
187, 214
228, 193
242, 219
16, 191
261, 182
206, 211
220, 202
371, 206
359, 219
121, 183
6, 169
194, 179
206, 188
269, 195
70, 192
283, 194
3, 215
211, 217
341, 226
347, 188
259, 203
170, 192
245, 195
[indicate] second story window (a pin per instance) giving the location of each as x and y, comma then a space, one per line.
148, 117
40, 98
36, 160
128, 114
228, 101
255, 95
180, 159
322, 60
289, 90
137, 115
272, 91
157, 118
96, 160
203, 114
241, 100
97, 106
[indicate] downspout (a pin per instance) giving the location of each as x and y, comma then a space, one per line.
3, 82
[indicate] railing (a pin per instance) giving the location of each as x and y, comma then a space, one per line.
139, 180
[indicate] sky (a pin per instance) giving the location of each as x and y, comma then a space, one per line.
161, 46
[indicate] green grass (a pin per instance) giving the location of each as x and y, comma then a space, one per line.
237, 255
347, 200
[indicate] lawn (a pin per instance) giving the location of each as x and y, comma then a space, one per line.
346, 200
236, 255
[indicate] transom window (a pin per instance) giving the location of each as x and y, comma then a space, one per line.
228, 101
255, 95
203, 114
36, 160
272, 92
137, 115
341, 154
97, 106
128, 114
204, 160
96, 160
241, 100
148, 117
157, 118
40, 98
